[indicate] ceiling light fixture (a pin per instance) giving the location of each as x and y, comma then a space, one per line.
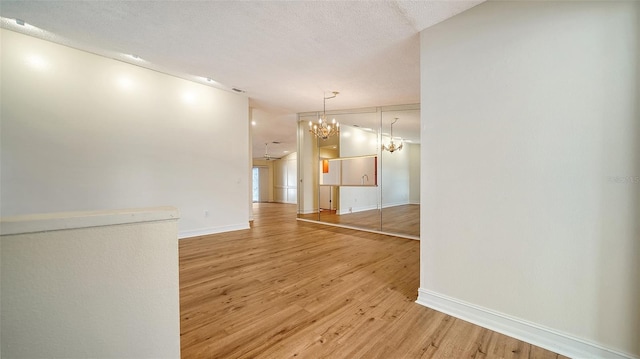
392, 146
322, 129
267, 156
208, 80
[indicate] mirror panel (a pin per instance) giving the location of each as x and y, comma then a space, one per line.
356, 196
400, 182
351, 171
350, 180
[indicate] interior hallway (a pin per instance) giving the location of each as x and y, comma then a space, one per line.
285, 289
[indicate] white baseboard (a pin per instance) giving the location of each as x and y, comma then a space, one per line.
372, 207
532, 333
358, 209
358, 228
212, 230
394, 204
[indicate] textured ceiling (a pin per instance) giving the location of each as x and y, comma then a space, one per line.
284, 55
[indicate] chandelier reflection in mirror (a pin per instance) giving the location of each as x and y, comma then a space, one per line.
392, 147
323, 129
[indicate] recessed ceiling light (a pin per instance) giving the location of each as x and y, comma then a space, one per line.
208, 80
135, 57
125, 83
285, 151
253, 123
188, 97
37, 62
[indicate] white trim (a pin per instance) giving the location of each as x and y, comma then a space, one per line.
529, 332
358, 209
394, 204
373, 207
212, 230
45, 222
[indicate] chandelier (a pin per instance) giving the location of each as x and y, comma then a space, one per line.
322, 129
392, 146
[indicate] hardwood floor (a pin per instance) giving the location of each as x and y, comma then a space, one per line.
290, 289
403, 219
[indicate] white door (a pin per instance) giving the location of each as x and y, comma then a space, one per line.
326, 197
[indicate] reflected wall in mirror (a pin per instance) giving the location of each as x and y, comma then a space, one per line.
400, 182
350, 180
350, 171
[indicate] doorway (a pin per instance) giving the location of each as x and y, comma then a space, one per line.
260, 184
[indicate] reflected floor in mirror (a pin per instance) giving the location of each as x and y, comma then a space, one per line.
404, 219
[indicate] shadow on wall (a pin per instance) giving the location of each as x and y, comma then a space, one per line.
636, 195
622, 252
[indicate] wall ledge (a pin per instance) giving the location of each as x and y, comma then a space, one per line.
532, 333
46, 222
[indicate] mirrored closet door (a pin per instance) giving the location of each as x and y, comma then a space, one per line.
367, 177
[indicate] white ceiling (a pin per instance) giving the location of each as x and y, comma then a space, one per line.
284, 55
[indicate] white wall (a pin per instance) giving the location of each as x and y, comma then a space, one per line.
414, 172
395, 177
0, 298
84, 132
267, 167
91, 285
531, 172
285, 179
307, 168
333, 175
357, 142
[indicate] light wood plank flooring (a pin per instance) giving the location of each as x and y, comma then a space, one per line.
403, 219
290, 289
